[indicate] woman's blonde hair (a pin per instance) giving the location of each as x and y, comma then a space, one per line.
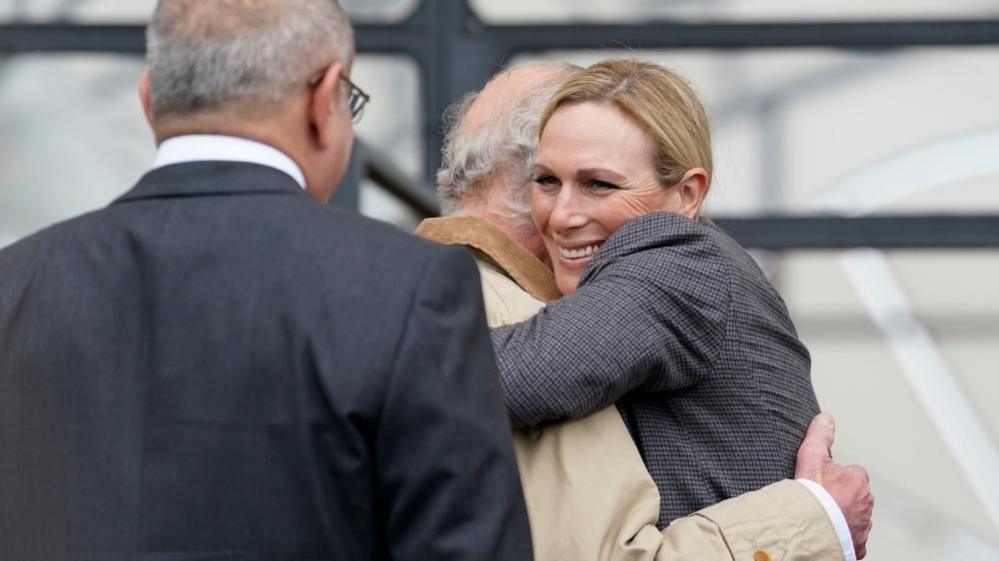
659, 100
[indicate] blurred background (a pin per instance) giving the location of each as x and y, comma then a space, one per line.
851, 109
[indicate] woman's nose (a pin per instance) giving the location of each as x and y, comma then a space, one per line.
567, 213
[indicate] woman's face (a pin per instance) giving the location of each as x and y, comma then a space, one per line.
594, 172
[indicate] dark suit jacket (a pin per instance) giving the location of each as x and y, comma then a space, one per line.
217, 367
674, 321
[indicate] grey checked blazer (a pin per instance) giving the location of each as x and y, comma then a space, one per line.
675, 323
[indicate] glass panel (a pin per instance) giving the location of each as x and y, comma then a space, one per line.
938, 324
73, 137
642, 11
379, 203
122, 11
72, 134
112, 11
393, 119
379, 11
816, 130
391, 125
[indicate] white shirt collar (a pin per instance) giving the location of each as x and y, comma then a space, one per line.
218, 148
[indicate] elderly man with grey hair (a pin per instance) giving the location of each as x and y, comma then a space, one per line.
588, 493
218, 366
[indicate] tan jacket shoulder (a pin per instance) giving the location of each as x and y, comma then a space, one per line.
505, 301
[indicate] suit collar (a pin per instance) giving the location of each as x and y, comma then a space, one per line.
197, 179
221, 148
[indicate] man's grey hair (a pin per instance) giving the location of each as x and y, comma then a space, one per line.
506, 145
207, 54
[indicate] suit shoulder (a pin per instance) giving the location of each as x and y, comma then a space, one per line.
362, 230
65, 229
348, 245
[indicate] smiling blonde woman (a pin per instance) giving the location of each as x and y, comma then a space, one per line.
666, 315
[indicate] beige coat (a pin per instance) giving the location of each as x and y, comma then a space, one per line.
588, 494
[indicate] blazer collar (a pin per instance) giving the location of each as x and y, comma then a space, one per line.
199, 179
513, 260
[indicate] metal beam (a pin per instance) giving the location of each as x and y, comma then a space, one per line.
886, 232
774, 232
931, 376
412, 35
21, 38
457, 52
732, 35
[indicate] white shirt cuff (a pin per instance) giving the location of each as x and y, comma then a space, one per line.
835, 516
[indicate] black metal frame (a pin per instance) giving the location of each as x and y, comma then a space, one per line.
886, 232
457, 52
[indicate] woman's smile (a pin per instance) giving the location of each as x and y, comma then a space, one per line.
577, 254
594, 173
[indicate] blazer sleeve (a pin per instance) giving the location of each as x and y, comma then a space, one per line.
646, 319
784, 521
446, 468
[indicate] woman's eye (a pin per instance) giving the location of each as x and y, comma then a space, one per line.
597, 184
546, 181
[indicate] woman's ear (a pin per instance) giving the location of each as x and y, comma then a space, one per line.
691, 191
324, 100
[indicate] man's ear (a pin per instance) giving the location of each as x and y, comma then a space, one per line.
323, 101
691, 192
145, 96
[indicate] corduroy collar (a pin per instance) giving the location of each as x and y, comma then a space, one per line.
516, 262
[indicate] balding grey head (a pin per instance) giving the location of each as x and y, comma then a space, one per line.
217, 54
505, 142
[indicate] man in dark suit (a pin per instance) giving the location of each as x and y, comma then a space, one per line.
217, 366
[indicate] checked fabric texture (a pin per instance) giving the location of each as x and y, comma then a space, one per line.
675, 323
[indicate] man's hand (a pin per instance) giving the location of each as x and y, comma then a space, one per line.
848, 485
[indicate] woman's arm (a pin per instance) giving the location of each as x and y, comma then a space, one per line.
649, 315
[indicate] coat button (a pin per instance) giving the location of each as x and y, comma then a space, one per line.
761, 556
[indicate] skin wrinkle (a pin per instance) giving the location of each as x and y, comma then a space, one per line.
660, 100
584, 144
490, 146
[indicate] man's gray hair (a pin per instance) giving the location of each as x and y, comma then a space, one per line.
204, 54
506, 145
